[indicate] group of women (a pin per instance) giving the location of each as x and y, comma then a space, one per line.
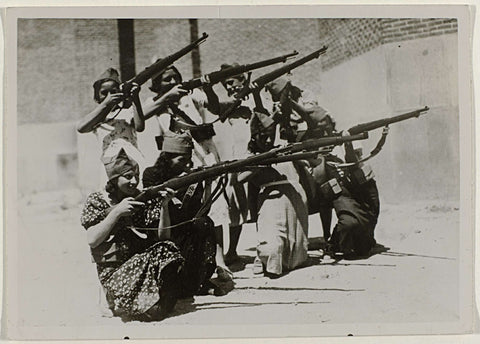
149, 254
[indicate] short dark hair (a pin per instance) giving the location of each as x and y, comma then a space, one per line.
112, 188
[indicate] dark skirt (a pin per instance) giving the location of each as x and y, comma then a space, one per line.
196, 241
136, 286
357, 216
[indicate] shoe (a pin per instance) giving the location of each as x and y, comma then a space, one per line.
210, 288
224, 274
257, 266
327, 259
231, 258
272, 275
170, 291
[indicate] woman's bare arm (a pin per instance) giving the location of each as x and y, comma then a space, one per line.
100, 232
98, 115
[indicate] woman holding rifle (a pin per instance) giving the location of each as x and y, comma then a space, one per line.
139, 272
191, 229
178, 112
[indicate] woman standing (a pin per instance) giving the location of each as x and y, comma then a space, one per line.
113, 123
139, 272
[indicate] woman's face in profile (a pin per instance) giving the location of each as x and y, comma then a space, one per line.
106, 88
180, 164
127, 183
234, 84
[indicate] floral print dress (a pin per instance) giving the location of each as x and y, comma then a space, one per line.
132, 267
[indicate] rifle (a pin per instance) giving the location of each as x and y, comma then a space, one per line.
350, 156
237, 165
360, 128
294, 157
159, 66
263, 80
217, 76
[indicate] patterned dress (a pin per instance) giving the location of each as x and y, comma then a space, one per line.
134, 268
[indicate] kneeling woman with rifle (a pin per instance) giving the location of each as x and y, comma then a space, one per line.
191, 229
139, 272
282, 222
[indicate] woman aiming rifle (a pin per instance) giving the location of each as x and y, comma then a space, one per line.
140, 272
191, 229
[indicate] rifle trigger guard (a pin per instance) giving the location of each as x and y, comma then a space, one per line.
385, 130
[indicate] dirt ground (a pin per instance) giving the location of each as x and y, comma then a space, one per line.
411, 278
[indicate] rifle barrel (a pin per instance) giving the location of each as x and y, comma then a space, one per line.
291, 157
228, 166
161, 64
261, 81
385, 121
232, 71
265, 79
217, 76
326, 141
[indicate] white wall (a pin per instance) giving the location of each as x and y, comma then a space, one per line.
420, 159
39, 147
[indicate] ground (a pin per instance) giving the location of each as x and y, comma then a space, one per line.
411, 278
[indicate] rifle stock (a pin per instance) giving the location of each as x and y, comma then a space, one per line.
303, 112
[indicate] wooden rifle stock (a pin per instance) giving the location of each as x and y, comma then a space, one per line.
293, 157
304, 113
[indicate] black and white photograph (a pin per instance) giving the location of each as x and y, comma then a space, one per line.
238, 172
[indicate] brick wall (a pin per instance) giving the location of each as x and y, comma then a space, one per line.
395, 30
347, 38
363, 72
59, 58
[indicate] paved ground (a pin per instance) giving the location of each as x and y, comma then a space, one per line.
412, 279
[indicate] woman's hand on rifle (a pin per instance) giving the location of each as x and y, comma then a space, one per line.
138, 116
164, 223
166, 196
98, 115
112, 99
101, 231
160, 103
175, 94
126, 207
